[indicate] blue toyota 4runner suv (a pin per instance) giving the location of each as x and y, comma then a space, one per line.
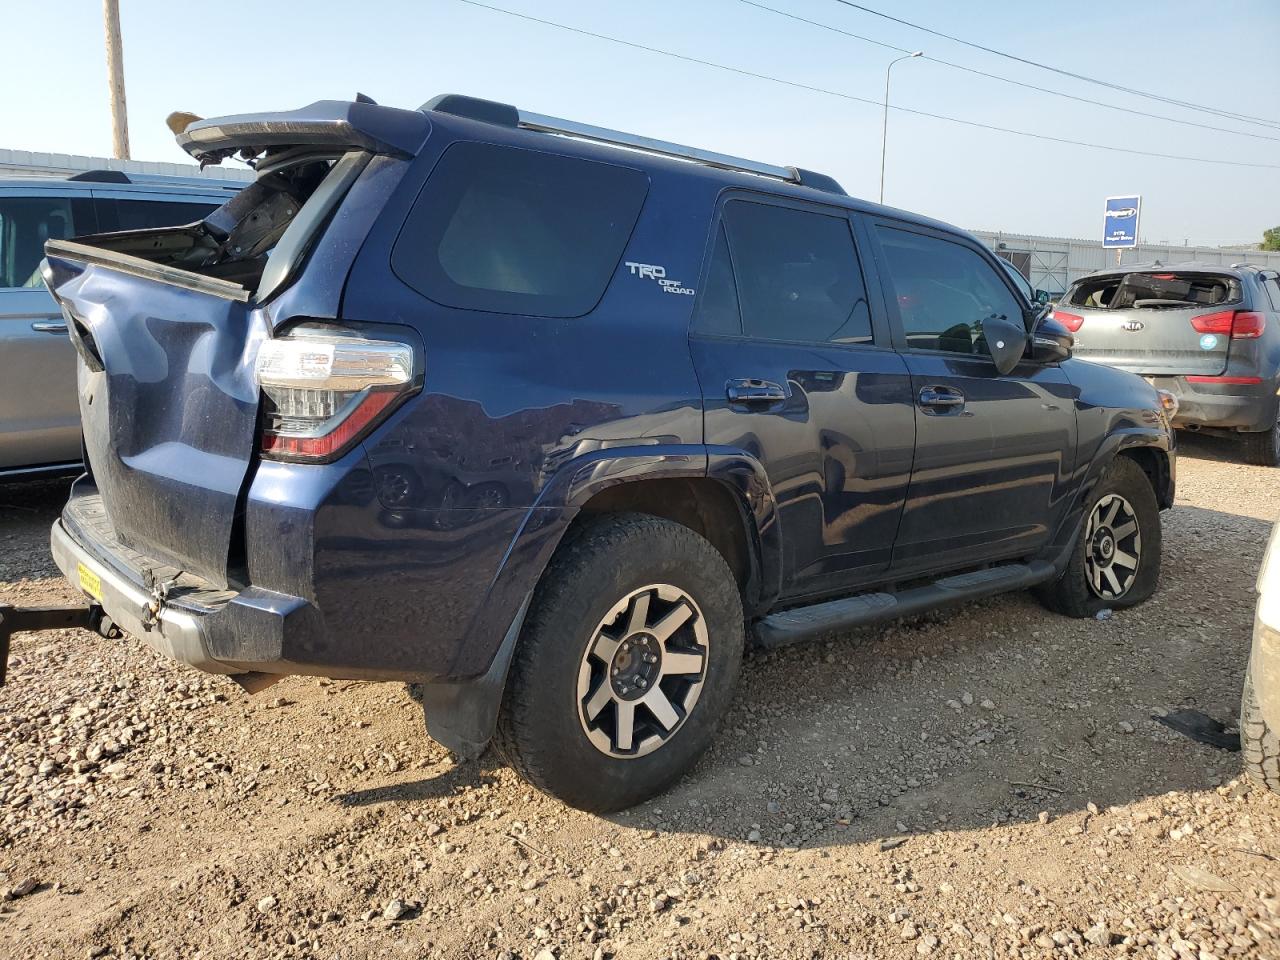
549, 418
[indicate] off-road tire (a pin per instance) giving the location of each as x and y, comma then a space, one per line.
1259, 744
1262, 449
1070, 594
540, 732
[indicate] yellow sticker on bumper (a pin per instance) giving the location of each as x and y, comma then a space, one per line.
90, 582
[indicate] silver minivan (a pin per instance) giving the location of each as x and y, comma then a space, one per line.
39, 413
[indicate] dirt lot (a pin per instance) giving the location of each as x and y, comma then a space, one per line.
985, 783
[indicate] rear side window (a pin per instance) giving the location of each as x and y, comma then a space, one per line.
945, 291
797, 277
718, 310
515, 231
25, 224
1154, 291
150, 214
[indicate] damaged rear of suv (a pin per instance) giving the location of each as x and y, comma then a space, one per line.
206, 369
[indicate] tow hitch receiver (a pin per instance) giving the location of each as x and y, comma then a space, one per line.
32, 619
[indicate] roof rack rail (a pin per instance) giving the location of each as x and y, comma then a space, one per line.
721, 161
489, 111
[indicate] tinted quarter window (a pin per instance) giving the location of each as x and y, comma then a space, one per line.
25, 224
517, 231
798, 274
1273, 292
150, 214
944, 291
717, 310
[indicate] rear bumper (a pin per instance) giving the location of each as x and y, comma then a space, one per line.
1242, 407
225, 633
260, 631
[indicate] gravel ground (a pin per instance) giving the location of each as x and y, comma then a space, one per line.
987, 782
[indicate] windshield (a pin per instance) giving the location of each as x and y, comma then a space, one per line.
1154, 291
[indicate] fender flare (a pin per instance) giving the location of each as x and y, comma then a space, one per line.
1113, 444
462, 714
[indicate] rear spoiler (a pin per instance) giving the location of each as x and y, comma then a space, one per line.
337, 123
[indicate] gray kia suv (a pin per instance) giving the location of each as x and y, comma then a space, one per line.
1208, 334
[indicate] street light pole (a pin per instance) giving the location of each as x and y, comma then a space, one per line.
884, 129
115, 79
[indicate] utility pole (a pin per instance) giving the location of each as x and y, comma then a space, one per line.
884, 129
115, 79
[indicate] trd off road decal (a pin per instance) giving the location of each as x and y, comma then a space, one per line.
651, 271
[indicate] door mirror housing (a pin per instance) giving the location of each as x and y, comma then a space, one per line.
1051, 342
1006, 339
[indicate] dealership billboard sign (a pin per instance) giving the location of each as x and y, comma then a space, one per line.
1120, 221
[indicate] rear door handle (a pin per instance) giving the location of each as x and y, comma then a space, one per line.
939, 399
749, 390
49, 326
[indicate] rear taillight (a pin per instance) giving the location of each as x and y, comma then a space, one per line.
1248, 325
325, 390
1237, 324
1072, 321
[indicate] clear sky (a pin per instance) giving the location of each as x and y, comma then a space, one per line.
234, 56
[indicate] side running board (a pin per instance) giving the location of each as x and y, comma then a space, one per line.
805, 623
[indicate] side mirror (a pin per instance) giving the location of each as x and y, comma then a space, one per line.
1006, 340
1051, 342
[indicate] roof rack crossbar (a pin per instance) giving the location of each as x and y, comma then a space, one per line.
585, 131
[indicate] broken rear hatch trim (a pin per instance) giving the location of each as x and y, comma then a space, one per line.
57, 250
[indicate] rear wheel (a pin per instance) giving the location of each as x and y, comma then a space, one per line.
1259, 744
626, 663
1116, 561
1263, 448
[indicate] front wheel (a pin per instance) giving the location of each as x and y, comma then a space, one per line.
1116, 561
627, 661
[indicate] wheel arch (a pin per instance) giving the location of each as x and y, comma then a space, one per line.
1156, 464
709, 507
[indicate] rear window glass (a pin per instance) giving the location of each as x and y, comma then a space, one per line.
1154, 290
798, 276
515, 231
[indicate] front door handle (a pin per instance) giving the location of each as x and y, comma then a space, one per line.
49, 326
749, 390
939, 399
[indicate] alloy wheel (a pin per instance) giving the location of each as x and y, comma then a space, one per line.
1113, 547
642, 671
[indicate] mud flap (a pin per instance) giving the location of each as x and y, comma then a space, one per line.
461, 717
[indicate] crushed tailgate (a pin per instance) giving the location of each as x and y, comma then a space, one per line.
169, 406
